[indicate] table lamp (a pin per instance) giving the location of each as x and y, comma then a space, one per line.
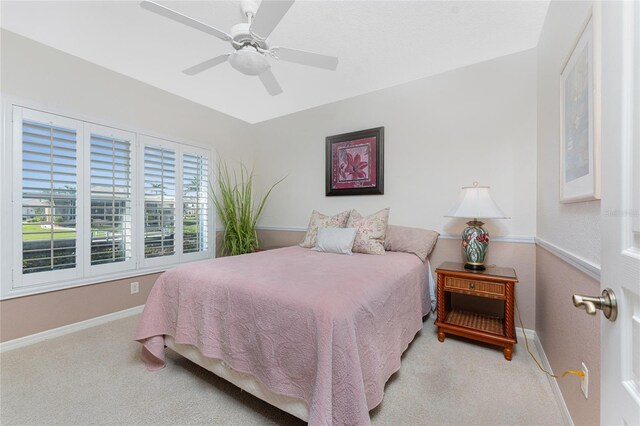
475, 203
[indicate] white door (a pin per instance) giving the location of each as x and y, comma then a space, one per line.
620, 340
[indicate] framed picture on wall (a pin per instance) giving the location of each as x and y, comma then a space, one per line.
580, 118
354, 163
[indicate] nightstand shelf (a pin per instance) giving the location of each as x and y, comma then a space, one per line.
493, 283
485, 323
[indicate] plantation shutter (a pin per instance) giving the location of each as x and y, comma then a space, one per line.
159, 201
90, 203
195, 203
111, 199
49, 196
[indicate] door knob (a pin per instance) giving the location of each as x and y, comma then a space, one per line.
606, 302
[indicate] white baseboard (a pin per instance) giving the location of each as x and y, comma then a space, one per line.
531, 334
552, 381
66, 329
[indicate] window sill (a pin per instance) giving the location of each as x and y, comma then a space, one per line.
98, 279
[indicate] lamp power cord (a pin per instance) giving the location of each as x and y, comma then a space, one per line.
578, 373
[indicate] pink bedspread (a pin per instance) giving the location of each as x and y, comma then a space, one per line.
329, 329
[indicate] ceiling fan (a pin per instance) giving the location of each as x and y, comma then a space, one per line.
249, 39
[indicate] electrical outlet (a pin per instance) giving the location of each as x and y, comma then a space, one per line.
585, 381
135, 287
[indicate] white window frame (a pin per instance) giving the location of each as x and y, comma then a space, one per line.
205, 254
26, 280
107, 268
179, 256
146, 140
11, 190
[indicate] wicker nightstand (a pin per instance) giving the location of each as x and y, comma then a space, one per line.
492, 283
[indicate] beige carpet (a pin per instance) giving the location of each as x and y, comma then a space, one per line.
95, 377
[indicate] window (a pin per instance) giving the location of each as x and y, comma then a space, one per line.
195, 203
47, 179
48, 197
111, 200
175, 216
159, 201
93, 203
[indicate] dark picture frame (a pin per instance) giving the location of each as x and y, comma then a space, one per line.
355, 163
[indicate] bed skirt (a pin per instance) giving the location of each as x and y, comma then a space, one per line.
248, 383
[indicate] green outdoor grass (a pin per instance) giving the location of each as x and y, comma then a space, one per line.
192, 229
44, 233
190, 225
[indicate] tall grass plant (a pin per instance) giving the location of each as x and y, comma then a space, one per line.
239, 209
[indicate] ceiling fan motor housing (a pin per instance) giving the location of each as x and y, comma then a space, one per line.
241, 35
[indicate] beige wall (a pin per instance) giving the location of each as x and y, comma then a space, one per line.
441, 133
568, 336
270, 239
520, 256
28, 315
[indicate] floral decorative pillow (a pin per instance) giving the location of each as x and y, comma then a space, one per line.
371, 231
319, 220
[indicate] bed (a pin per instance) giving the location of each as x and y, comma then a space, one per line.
315, 334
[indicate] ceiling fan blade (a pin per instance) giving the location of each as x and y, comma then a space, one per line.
269, 14
183, 19
306, 58
270, 83
196, 69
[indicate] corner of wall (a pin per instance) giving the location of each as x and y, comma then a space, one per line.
566, 251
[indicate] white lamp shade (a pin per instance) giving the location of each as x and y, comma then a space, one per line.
476, 202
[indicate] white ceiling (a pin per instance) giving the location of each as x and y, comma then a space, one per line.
379, 44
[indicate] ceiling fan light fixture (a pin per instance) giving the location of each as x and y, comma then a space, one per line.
249, 61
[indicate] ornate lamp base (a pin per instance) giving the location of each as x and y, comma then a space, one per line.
475, 244
474, 267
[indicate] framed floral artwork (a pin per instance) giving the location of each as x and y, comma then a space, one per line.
354, 163
580, 118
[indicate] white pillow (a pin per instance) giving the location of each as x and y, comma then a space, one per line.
319, 220
335, 240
